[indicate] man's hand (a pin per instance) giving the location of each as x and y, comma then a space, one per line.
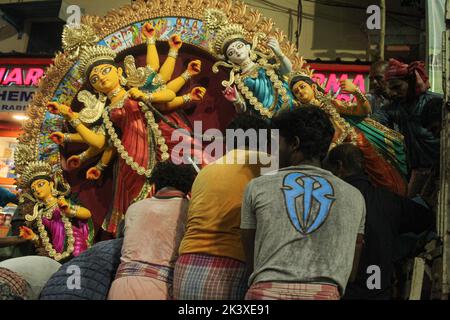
148, 31
93, 174
57, 137
198, 93
175, 42
194, 67
136, 94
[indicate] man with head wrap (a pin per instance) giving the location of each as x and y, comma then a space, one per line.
407, 87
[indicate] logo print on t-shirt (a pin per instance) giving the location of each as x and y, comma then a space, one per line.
317, 196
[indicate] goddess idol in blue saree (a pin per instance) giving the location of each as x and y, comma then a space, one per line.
256, 83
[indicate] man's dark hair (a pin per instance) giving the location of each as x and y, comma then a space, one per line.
350, 156
168, 174
246, 122
311, 125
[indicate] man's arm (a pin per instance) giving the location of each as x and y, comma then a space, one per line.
359, 242
248, 228
358, 250
248, 242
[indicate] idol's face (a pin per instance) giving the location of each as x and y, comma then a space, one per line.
238, 52
303, 92
41, 188
105, 77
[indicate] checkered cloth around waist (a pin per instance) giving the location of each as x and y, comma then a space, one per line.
292, 291
141, 269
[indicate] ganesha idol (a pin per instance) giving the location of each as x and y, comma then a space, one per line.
383, 148
130, 114
56, 222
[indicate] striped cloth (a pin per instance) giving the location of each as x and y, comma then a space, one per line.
292, 291
206, 277
141, 269
13, 286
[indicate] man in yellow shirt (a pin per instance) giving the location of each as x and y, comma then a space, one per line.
212, 261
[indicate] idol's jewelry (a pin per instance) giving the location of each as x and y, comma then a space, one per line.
123, 81
173, 53
187, 98
114, 93
151, 40
359, 95
83, 156
148, 98
100, 166
75, 122
67, 138
186, 76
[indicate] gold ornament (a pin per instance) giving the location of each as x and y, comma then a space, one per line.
77, 37
136, 77
93, 106
90, 55
221, 31
151, 125
35, 169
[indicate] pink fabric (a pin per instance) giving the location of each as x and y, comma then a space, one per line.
153, 231
55, 228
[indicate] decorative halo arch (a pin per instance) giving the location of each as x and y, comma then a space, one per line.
120, 29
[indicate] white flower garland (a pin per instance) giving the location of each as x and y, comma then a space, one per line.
152, 125
43, 235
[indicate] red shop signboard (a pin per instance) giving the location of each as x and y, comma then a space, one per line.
328, 76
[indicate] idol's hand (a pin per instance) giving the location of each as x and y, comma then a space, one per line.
348, 86
175, 42
194, 67
58, 108
27, 234
93, 174
74, 162
63, 205
198, 93
148, 31
136, 94
57, 137
274, 45
231, 94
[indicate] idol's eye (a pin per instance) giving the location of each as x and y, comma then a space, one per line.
240, 45
94, 79
230, 53
106, 70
